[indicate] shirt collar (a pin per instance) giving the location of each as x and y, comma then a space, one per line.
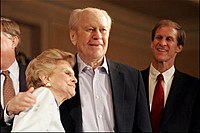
167, 74
82, 65
14, 69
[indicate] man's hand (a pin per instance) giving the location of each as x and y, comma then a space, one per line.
21, 102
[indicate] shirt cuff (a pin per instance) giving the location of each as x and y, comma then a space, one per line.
8, 118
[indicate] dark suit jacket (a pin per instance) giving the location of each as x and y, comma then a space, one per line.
182, 109
22, 87
129, 102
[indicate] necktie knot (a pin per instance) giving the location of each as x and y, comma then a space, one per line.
160, 77
6, 73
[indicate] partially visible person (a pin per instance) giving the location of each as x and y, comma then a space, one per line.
52, 76
10, 38
22, 58
110, 96
181, 101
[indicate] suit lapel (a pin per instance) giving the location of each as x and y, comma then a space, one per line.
117, 86
174, 97
145, 76
75, 104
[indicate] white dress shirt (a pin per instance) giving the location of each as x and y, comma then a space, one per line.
14, 75
168, 77
44, 116
96, 97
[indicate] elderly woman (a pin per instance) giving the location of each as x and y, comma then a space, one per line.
52, 76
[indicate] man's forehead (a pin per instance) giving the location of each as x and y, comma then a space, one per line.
167, 29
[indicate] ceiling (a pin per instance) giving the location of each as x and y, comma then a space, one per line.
162, 8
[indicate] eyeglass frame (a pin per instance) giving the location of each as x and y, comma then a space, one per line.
5, 19
8, 35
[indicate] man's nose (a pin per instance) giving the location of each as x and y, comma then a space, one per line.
97, 34
163, 42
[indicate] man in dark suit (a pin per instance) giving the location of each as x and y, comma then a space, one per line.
181, 91
109, 96
10, 38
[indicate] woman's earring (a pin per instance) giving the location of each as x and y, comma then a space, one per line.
48, 84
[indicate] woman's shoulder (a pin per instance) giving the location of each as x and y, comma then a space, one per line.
43, 94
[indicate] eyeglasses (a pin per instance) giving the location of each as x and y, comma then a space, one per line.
5, 19
9, 36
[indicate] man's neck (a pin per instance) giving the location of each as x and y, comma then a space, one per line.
162, 66
6, 64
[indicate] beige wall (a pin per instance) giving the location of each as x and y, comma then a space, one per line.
44, 25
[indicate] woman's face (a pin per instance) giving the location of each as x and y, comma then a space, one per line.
63, 81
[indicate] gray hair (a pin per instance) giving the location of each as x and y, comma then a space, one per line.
77, 13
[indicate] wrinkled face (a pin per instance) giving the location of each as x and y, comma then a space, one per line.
91, 37
7, 46
62, 80
164, 46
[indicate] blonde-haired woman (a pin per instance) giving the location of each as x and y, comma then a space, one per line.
52, 76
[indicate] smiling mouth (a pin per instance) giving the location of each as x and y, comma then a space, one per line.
161, 50
96, 44
73, 86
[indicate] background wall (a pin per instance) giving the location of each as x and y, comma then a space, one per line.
44, 24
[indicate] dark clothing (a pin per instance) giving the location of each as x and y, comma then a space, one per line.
182, 109
129, 102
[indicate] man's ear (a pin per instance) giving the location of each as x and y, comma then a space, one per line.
15, 41
73, 37
179, 48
